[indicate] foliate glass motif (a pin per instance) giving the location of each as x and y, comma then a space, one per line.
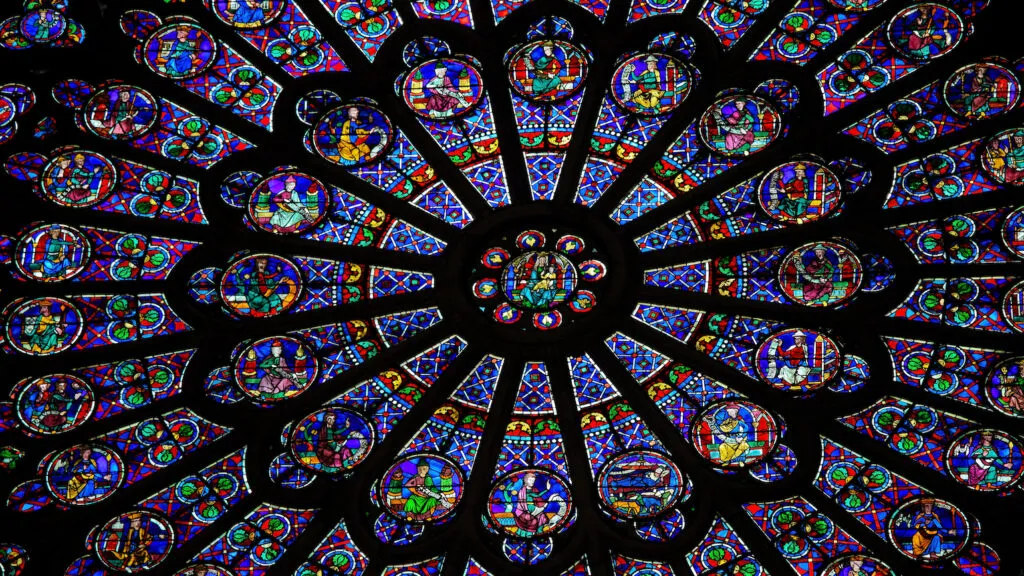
442, 287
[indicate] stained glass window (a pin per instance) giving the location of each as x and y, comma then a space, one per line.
471, 287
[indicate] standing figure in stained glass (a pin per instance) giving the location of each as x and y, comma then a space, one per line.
444, 96
58, 254
134, 542
355, 137
927, 539
731, 431
261, 290
82, 181
47, 22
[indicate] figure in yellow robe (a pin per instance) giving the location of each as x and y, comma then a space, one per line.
732, 434
353, 142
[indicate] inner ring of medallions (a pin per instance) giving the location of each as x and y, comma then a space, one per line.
602, 243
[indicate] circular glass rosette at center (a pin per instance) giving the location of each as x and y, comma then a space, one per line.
539, 280
531, 240
529, 502
547, 320
486, 288
504, 313
332, 440
570, 244
495, 258
734, 433
584, 301
422, 488
640, 484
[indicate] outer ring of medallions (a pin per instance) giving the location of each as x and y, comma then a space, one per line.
618, 294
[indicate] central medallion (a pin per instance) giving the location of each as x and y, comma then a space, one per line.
539, 280
535, 280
